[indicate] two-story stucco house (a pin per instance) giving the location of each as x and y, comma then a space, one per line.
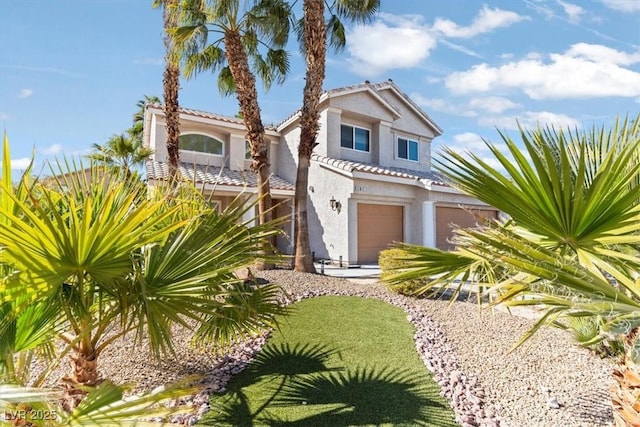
370, 181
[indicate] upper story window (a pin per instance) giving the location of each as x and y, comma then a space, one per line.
354, 138
407, 149
201, 144
247, 150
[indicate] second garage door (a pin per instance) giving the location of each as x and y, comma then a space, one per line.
446, 216
378, 227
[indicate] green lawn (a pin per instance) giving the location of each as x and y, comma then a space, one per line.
336, 361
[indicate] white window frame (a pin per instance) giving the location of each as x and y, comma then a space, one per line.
247, 150
353, 134
221, 140
409, 141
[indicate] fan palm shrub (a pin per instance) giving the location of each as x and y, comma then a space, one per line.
569, 240
391, 260
91, 258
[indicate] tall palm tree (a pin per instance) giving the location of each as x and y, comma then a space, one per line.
171, 85
312, 32
250, 40
570, 243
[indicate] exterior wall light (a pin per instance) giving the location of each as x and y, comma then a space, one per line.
335, 204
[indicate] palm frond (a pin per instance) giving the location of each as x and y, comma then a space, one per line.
359, 11
106, 405
336, 33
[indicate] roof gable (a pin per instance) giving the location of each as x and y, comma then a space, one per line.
376, 91
411, 105
361, 88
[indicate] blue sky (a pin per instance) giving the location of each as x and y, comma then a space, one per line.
71, 71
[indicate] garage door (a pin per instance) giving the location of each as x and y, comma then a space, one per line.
446, 216
378, 227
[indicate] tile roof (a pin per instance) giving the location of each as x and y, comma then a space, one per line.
431, 177
214, 175
206, 115
336, 91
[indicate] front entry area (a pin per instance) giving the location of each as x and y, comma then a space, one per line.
378, 227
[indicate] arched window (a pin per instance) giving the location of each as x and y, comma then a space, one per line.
201, 144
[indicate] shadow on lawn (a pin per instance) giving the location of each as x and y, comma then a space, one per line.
299, 379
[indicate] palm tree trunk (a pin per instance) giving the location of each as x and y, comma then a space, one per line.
315, 42
303, 260
247, 95
171, 84
85, 369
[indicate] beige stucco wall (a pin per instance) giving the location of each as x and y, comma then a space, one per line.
363, 104
409, 120
232, 137
410, 126
328, 229
335, 235
363, 110
287, 161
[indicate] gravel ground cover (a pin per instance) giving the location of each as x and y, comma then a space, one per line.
547, 382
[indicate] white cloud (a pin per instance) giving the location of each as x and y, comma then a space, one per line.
391, 42
20, 164
51, 70
492, 104
442, 105
600, 53
473, 108
546, 11
4, 116
471, 143
475, 143
534, 56
80, 153
25, 93
486, 21
459, 48
530, 120
584, 71
573, 11
53, 149
623, 5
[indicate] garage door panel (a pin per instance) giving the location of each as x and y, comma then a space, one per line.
448, 218
378, 227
